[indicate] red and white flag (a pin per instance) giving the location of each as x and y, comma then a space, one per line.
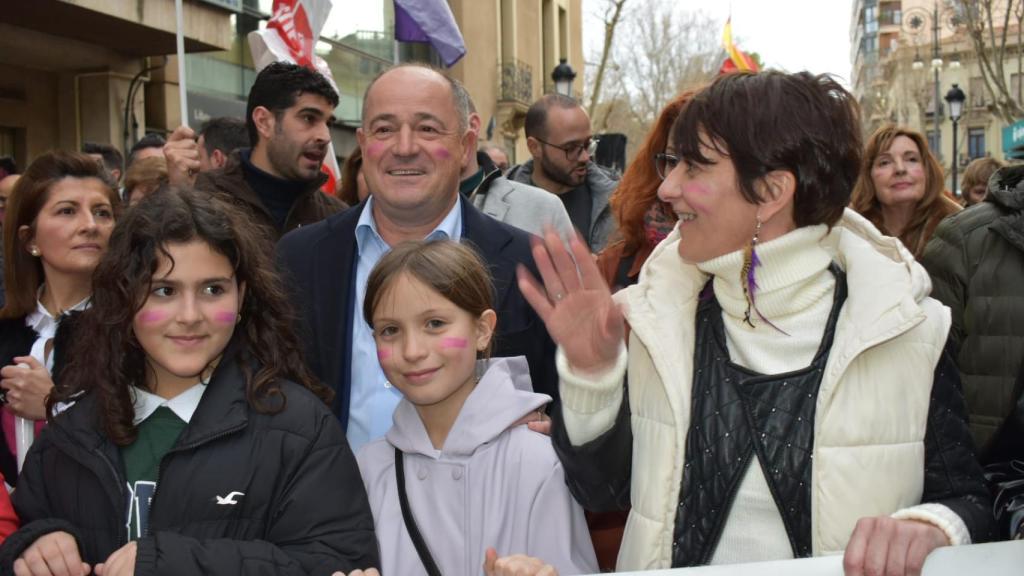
290, 36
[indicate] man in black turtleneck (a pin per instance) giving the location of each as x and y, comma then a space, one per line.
279, 178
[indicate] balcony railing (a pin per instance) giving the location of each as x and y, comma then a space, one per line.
890, 18
516, 82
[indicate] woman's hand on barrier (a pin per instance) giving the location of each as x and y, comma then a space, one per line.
574, 303
886, 546
26, 383
53, 554
515, 565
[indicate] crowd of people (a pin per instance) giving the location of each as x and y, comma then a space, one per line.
765, 340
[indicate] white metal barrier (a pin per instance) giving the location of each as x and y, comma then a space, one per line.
997, 559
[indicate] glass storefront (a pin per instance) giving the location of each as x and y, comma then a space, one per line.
357, 43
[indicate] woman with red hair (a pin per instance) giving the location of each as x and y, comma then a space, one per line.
643, 220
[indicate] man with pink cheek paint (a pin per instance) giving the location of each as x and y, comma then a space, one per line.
415, 140
562, 145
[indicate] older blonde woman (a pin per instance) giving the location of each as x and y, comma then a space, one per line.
900, 187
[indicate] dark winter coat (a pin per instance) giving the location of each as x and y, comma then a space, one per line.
312, 206
319, 263
976, 262
303, 509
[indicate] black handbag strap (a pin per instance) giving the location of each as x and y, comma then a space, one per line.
410, 522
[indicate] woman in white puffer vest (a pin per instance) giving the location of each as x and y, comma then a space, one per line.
786, 390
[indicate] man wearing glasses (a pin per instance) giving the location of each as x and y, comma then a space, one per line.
562, 145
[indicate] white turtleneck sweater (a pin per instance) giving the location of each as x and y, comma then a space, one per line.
795, 292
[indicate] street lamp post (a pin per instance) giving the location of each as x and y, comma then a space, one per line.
914, 22
955, 97
936, 66
563, 75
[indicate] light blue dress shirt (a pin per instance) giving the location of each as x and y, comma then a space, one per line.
372, 400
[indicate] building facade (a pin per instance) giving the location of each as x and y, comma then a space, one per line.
907, 55
512, 46
93, 70
68, 69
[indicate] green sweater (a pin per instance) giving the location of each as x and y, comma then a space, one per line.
157, 435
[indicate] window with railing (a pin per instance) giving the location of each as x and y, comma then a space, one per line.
869, 44
930, 107
516, 81
890, 17
976, 92
871, 20
975, 142
935, 143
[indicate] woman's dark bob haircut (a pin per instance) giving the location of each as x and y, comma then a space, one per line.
801, 123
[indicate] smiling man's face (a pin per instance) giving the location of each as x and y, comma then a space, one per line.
413, 145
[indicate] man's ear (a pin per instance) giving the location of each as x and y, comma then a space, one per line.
469, 140
533, 145
218, 159
474, 123
265, 122
776, 189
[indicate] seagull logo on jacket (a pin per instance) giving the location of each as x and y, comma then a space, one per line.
229, 500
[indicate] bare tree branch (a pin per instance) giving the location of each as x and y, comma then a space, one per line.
612, 17
660, 50
981, 19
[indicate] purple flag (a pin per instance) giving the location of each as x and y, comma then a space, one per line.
430, 21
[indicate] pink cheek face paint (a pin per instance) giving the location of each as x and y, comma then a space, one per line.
226, 317
457, 343
442, 154
694, 194
375, 149
383, 354
152, 316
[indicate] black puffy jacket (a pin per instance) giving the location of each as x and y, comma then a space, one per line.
976, 262
303, 509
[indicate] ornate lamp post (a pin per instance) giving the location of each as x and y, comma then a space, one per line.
955, 97
563, 75
915, 22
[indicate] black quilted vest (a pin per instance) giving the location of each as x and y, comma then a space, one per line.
739, 417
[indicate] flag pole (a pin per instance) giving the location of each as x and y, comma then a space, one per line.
181, 62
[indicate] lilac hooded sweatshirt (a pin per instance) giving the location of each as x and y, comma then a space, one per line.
489, 486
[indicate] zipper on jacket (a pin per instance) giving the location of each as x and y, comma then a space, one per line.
121, 487
121, 495
163, 462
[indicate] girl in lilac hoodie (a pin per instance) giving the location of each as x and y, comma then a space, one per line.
473, 479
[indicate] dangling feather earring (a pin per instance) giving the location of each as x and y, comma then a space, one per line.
749, 283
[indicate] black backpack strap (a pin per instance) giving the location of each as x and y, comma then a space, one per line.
410, 522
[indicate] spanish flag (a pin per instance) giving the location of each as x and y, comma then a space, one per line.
736, 59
